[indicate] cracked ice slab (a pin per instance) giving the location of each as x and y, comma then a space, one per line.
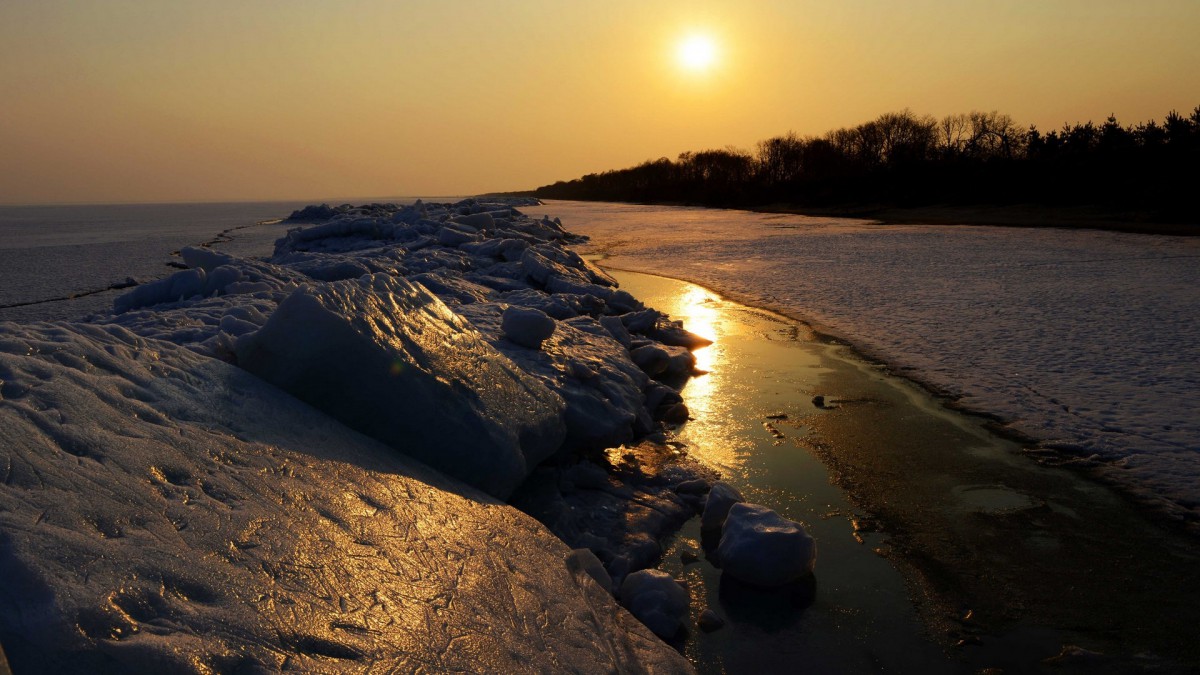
388, 358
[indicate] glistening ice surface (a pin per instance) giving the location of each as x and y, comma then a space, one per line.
163, 510
1083, 340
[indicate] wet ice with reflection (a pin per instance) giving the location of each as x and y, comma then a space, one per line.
973, 522
757, 367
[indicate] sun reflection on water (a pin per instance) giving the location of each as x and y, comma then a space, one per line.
709, 396
698, 310
724, 400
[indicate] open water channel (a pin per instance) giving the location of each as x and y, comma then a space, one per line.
941, 547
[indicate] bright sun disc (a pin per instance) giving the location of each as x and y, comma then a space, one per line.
697, 52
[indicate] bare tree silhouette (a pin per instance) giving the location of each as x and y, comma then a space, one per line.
901, 158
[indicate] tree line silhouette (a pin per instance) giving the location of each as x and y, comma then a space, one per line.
904, 159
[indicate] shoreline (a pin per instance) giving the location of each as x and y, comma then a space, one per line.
1156, 509
908, 480
754, 420
829, 336
1055, 434
1015, 215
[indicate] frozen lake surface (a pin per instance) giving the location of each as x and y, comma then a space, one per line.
57, 251
1083, 340
51, 252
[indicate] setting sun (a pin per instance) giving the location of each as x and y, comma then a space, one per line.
697, 52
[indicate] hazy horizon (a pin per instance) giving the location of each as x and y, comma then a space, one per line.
136, 102
338, 200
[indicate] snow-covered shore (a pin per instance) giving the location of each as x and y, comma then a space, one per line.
1085, 341
226, 473
166, 512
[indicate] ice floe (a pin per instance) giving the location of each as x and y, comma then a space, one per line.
516, 288
762, 548
389, 359
721, 499
526, 326
657, 600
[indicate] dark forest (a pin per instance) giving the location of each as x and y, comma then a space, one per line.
902, 159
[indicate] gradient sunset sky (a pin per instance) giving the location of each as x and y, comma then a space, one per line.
116, 101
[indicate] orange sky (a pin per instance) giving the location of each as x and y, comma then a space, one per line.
124, 100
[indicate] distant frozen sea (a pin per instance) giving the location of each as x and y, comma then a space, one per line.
1087, 341
56, 251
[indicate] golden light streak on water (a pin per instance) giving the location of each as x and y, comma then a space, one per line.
710, 397
697, 305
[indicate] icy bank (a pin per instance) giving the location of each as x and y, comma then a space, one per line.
417, 355
1085, 341
161, 511
656, 600
163, 508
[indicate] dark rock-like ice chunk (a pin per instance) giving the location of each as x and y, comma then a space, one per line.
721, 498
656, 599
651, 358
709, 621
526, 327
762, 548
